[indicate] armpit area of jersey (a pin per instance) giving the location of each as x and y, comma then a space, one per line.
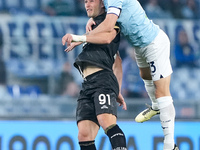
117, 29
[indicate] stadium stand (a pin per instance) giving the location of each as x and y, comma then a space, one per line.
34, 56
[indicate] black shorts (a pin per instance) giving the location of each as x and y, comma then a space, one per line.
98, 96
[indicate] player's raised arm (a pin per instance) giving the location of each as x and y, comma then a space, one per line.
98, 38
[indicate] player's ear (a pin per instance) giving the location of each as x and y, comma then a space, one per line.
102, 4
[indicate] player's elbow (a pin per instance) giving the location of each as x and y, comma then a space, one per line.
109, 22
110, 28
109, 37
107, 40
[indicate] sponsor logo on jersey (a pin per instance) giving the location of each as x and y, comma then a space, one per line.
104, 107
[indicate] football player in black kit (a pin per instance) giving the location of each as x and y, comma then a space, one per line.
100, 66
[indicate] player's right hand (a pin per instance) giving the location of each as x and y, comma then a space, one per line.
89, 25
121, 101
67, 38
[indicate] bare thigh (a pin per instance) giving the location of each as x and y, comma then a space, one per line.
161, 86
87, 130
106, 120
145, 73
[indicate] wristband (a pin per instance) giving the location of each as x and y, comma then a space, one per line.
78, 38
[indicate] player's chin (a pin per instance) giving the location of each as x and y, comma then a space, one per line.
89, 14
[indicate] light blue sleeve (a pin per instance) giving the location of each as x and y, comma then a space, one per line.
115, 3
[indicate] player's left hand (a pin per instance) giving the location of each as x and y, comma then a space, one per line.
72, 46
89, 25
120, 100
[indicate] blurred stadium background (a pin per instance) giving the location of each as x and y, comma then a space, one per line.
39, 85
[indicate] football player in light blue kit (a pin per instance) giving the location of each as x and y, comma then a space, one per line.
152, 48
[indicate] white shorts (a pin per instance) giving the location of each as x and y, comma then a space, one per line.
156, 56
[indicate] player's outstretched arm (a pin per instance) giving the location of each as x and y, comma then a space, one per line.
102, 34
99, 38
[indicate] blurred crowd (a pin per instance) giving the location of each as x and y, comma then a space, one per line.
43, 7
69, 81
179, 9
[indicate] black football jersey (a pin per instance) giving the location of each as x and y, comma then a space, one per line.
101, 55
